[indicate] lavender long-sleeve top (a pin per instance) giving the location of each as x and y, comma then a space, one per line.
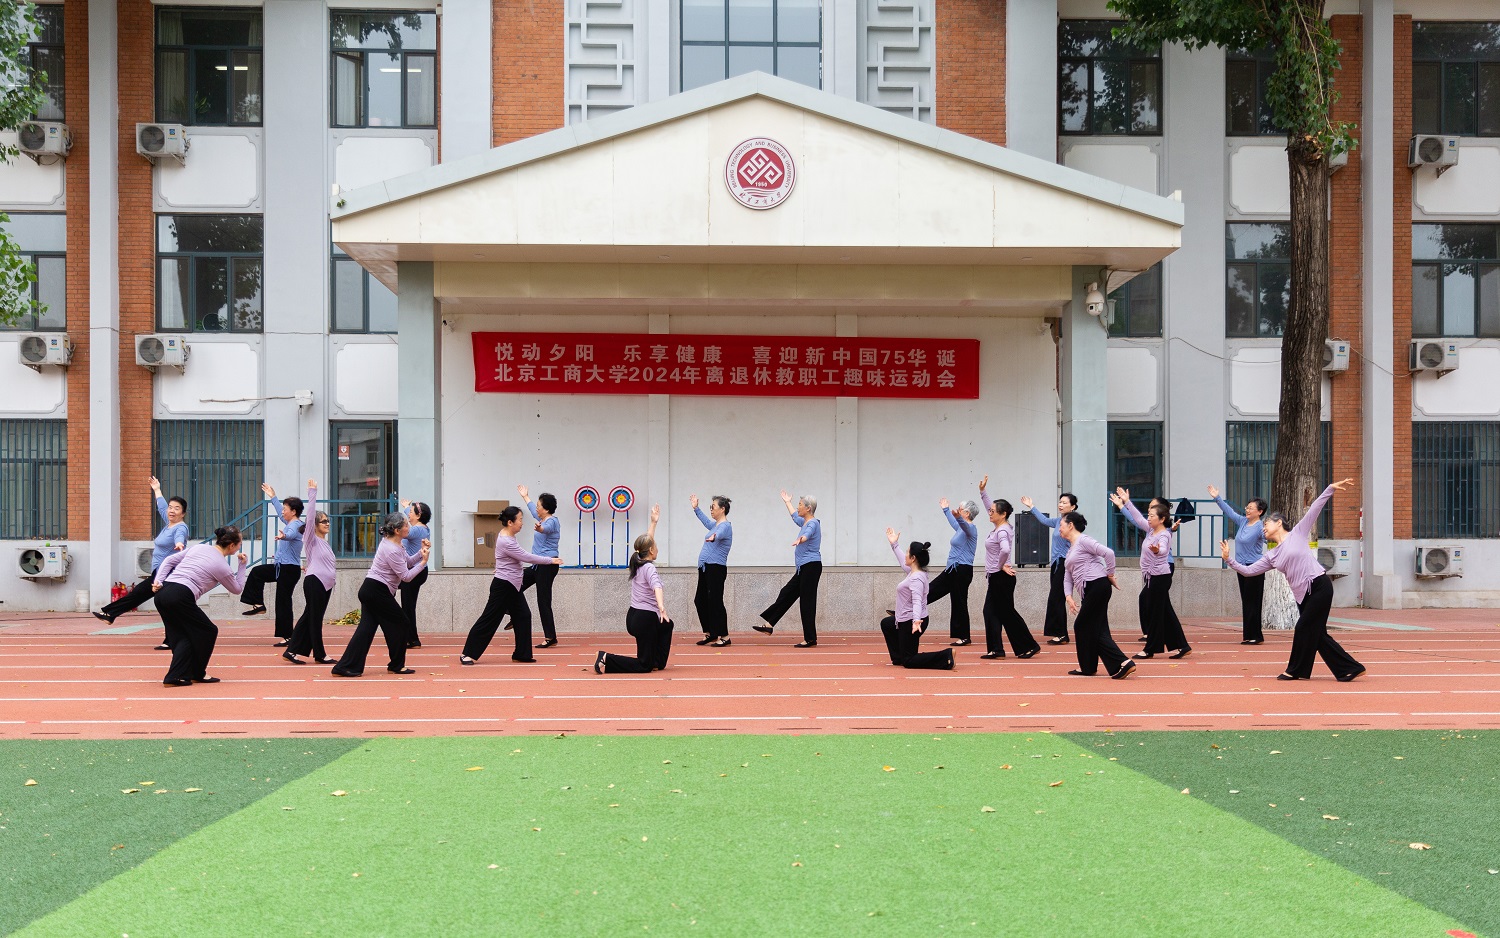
1087, 560
200, 568
911, 593
718, 541
319, 553
169, 537
1139, 520
999, 543
511, 559
1294, 556
643, 587
1152, 563
392, 566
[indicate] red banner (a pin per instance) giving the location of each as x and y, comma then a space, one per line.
743, 365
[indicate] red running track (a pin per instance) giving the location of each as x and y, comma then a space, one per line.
61, 678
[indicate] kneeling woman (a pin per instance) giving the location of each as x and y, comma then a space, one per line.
646, 620
180, 582
1090, 567
903, 631
377, 601
317, 585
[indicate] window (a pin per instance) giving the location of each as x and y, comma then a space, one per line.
1247, 110
1135, 463
33, 479
360, 302
1455, 78
384, 69
1250, 460
363, 470
1137, 309
1259, 287
208, 66
209, 273
1105, 85
43, 239
725, 38
217, 465
1455, 473
1455, 280
43, 58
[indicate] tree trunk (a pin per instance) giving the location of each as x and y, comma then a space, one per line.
1299, 443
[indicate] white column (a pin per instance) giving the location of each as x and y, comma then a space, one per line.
1085, 402
841, 47
419, 387
659, 453
465, 106
1031, 77
846, 462
1377, 126
659, 49
103, 410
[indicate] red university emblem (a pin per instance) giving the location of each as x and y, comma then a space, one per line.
760, 173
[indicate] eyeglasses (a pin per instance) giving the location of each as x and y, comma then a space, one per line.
325, 521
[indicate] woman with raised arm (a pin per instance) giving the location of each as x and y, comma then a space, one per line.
1055, 627
544, 543
1000, 584
1158, 619
713, 570
1249, 544
506, 597
646, 620
172, 537
903, 628
285, 567
319, 574
803, 586
180, 582
1090, 569
958, 574
418, 535
1311, 587
377, 601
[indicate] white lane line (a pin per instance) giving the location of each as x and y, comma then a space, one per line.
58, 699
1258, 693
1035, 716
1455, 713
890, 716
327, 721
195, 699
455, 697
680, 696
1398, 692
109, 722
719, 719
1324, 713
1178, 716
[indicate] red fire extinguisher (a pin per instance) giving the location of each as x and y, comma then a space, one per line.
118, 591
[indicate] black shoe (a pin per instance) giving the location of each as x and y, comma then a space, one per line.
254, 611
1182, 652
957, 643
163, 647
763, 628
890, 612
1124, 671
1144, 655
1283, 676
1027, 654
721, 643
1058, 641
1252, 641
282, 644
327, 660
548, 643
466, 660
510, 625
292, 658
599, 663
707, 640
182, 682
1077, 673
948, 665
523, 660
992, 654
400, 670
413, 644
1346, 678
806, 645
104, 618
337, 673
205, 680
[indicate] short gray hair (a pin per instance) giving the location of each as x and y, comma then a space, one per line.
970, 508
810, 502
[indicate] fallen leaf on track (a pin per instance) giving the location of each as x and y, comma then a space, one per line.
475, 768
1187, 791
129, 791
1054, 784
1006, 766
190, 790
986, 810
339, 794
887, 768
1330, 817
29, 782
1420, 846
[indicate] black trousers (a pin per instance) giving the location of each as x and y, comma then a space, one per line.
653, 644
307, 635
1056, 623
1163, 628
134, 599
708, 600
1091, 630
542, 577
1000, 614
377, 609
1252, 593
1311, 636
190, 632
410, 591
954, 582
802, 586
505, 600
903, 645
285, 576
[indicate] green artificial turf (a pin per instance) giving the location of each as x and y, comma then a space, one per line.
1383, 790
735, 835
76, 828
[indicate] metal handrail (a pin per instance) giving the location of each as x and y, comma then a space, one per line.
353, 530
1198, 538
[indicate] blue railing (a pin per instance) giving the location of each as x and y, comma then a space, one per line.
353, 530
1197, 538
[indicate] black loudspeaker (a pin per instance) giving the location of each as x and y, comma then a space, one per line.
1032, 540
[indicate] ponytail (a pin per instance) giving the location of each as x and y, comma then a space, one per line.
227, 536
642, 550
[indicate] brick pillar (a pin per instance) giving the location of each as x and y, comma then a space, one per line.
76, 106
1345, 287
971, 68
137, 45
527, 51
1401, 280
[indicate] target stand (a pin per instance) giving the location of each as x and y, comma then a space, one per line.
621, 499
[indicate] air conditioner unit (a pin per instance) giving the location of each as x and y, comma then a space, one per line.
45, 348
154, 351
1336, 557
38, 139
1440, 560
1437, 355
1432, 150
1335, 355
46, 562
143, 561
156, 141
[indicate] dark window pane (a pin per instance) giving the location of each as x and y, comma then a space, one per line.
1145, 97
382, 306
1458, 299
1073, 97
208, 27
1239, 300
1145, 303
1240, 101
1454, 241
384, 31
52, 292
750, 21
1489, 99
48, 61
209, 233
745, 59
799, 64
171, 87
1081, 38
701, 65
421, 90
1268, 123
384, 77
211, 294
246, 87
1460, 104
49, 23
798, 21
1425, 97
247, 294
210, 81
1275, 282
344, 31
702, 21
1111, 104
1424, 299
348, 297
1489, 301
1269, 240
348, 89
1455, 40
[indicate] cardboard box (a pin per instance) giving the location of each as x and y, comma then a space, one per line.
486, 527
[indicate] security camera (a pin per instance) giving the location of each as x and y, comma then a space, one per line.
1094, 302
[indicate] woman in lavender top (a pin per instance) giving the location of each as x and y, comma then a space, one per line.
377, 601
1000, 584
544, 543
1090, 568
317, 584
954, 581
1311, 587
646, 620
505, 594
1249, 544
179, 583
418, 514
172, 537
1158, 619
285, 567
1055, 626
802, 588
713, 569
903, 628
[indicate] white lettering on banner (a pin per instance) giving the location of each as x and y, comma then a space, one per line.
739, 374
503, 351
525, 372
762, 376
807, 376
714, 375
658, 353
921, 379
632, 353
841, 356
596, 374
583, 353
875, 378
502, 372
867, 356
788, 356
760, 355
572, 373
916, 357
557, 352
813, 356
947, 358
531, 352
617, 373
711, 354
686, 354
853, 377
945, 379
